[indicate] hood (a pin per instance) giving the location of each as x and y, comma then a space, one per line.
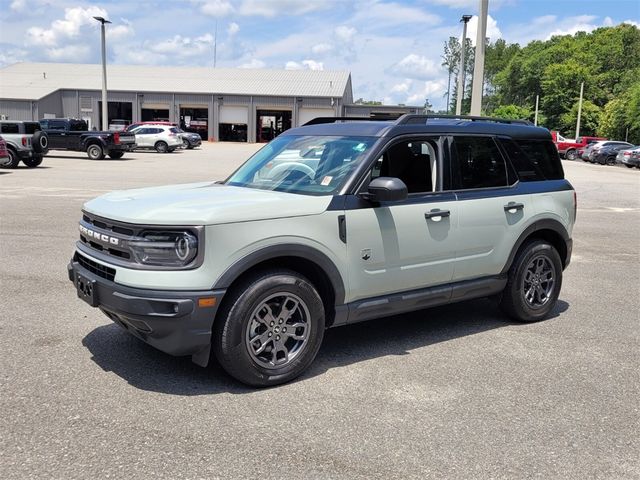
202, 204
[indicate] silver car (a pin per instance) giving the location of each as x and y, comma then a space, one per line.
161, 138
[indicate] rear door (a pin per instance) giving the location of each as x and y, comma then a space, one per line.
492, 212
142, 137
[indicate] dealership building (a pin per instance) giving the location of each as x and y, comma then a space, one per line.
221, 104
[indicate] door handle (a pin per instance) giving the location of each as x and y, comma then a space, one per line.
436, 215
513, 207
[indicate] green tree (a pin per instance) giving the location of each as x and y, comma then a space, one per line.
589, 119
514, 112
451, 61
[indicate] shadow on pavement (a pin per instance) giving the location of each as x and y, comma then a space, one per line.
115, 350
105, 159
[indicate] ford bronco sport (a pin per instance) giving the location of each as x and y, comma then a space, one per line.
332, 223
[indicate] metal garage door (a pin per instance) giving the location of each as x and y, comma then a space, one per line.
306, 114
237, 115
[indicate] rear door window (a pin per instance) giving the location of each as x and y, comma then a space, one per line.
31, 127
9, 128
478, 163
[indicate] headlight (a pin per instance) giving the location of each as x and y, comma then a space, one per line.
173, 249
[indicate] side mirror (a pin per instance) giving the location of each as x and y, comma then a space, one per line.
386, 189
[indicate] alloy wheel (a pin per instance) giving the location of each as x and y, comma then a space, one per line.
538, 281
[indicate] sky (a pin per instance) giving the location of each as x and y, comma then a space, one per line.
393, 49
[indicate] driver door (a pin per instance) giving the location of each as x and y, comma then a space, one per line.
407, 245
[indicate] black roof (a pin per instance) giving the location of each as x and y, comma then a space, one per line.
421, 124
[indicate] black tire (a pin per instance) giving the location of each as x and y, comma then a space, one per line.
239, 319
610, 160
40, 141
32, 162
161, 147
515, 301
95, 151
171, 150
116, 155
570, 154
186, 144
13, 159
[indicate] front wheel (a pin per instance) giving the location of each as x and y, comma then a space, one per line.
95, 152
270, 328
32, 162
534, 282
610, 161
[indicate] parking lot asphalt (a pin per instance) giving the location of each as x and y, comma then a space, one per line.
451, 392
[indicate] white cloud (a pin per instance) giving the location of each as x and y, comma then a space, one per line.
71, 53
375, 14
493, 32
18, 5
632, 22
272, 8
402, 88
10, 56
345, 34
581, 23
254, 63
122, 30
216, 8
233, 28
427, 90
65, 29
184, 46
305, 64
415, 67
321, 48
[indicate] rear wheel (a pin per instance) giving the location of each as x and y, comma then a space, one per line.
570, 155
32, 162
116, 155
610, 160
13, 159
162, 147
95, 152
270, 328
534, 282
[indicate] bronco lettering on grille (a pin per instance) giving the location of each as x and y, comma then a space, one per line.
99, 236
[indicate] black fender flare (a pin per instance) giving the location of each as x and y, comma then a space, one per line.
543, 224
285, 250
91, 140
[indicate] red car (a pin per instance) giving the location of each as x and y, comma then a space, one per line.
572, 149
4, 155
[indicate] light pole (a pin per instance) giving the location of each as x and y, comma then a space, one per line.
465, 19
478, 68
105, 120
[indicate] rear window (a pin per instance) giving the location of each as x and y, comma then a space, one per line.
544, 156
174, 130
78, 126
31, 127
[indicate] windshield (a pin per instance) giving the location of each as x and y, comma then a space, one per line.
310, 165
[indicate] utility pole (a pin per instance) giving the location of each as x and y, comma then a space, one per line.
535, 119
465, 19
215, 45
105, 117
478, 68
579, 110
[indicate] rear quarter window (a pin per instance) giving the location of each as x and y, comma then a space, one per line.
31, 127
544, 156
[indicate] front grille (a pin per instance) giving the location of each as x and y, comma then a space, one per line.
95, 267
113, 230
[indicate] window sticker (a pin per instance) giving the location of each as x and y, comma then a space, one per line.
326, 180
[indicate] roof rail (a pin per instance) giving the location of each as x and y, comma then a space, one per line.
319, 120
412, 118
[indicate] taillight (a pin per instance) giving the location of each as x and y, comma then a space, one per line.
626, 154
24, 141
116, 138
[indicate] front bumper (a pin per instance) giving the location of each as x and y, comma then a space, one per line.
171, 321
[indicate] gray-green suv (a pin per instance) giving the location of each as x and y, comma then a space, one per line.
332, 223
